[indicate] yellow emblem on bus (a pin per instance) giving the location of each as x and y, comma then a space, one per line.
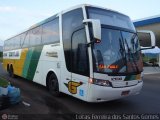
72, 86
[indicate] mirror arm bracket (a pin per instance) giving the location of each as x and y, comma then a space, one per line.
145, 48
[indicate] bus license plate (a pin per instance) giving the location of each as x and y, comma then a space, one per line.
124, 93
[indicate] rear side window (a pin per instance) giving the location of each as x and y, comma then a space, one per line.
35, 36
50, 32
17, 42
25, 39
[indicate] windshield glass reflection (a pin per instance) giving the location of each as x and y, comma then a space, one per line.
118, 52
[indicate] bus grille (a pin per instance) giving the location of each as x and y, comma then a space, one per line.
117, 84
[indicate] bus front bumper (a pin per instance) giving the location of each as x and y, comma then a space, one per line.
102, 93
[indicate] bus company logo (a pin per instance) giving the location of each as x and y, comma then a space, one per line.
52, 54
72, 86
4, 117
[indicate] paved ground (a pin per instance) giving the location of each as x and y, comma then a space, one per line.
149, 70
41, 102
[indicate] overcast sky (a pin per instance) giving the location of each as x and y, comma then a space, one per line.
18, 15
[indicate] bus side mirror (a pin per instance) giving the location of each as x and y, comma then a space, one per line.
96, 26
146, 38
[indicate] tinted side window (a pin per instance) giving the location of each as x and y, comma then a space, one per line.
35, 36
80, 61
6, 45
11, 44
71, 21
25, 39
17, 42
50, 32
22, 38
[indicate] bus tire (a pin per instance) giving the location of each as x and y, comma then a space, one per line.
53, 85
11, 71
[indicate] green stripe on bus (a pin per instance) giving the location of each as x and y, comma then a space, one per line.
27, 62
31, 62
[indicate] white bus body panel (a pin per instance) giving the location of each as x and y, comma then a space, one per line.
49, 61
102, 93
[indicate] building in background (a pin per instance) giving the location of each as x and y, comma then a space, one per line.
150, 57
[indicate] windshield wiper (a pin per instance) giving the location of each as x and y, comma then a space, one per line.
122, 61
122, 51
131, 54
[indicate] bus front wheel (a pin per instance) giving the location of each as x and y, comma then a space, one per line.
53, 85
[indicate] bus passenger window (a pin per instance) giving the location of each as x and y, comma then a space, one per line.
25, 39
17, 42
35, 36
50, 32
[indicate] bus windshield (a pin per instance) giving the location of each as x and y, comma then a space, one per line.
118, 52
119, 49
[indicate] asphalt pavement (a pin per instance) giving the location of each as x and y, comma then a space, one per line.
37, 100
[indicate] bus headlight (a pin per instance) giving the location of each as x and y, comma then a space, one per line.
100, 82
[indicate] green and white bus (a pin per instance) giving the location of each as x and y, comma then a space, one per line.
88, 52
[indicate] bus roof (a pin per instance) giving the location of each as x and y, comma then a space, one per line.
67, 10
62, 12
